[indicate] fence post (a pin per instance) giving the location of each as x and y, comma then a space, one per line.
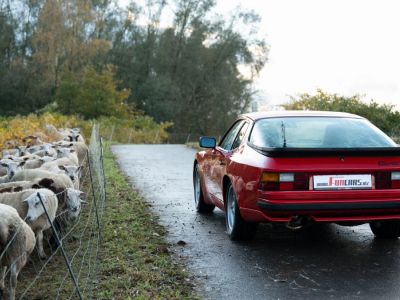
188, 138
94, 195
156, 138
130, 135
59, 244
102, 168
112, 133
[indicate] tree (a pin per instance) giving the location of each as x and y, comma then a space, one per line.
383, 116
94, 96
185, 72
188, 73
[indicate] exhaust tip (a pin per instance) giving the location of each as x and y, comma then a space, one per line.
298, 222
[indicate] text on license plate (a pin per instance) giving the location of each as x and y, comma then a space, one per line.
342, 182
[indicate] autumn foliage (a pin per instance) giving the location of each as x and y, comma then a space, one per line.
138, 128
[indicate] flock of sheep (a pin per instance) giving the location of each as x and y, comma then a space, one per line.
39, 181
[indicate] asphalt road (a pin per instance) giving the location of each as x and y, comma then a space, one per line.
327, 261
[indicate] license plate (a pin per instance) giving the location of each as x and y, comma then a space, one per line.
342, 182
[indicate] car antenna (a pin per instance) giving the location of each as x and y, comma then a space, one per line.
283, 134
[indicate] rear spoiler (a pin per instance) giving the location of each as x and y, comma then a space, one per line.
318, 152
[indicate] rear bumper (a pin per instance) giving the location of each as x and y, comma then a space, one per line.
339, 206
267, 206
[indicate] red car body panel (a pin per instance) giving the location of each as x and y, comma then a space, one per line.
244, 167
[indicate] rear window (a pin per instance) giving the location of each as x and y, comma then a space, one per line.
318, 132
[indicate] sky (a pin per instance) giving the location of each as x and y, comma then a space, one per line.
340, 46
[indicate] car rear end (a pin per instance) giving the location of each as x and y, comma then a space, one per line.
331, 189
326, 169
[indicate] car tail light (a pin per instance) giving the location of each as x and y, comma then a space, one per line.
395, 180
387, 180
269, 181
301, 182
382, 180
272, 181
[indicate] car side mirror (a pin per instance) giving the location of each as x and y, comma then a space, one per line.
207, 142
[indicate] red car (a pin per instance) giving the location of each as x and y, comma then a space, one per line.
300, 167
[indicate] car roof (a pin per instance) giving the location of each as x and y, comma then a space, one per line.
298, 113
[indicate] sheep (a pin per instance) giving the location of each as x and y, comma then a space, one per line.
29, 207
37, 138
13, 184
3, 168
11, 144
64, 166
66, 194
7, 152
49, 150
26, 157
64, 161
58, 183
22, 151
80, 148
17, 242
12, 168
37, 163
16, 186
43, 150
75, 136
53, 133
75, 199
68, 153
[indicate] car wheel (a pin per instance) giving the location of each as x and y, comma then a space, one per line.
201, 206
386, 229
236, 227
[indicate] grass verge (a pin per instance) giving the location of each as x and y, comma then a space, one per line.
134, 259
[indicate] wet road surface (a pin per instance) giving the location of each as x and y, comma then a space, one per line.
327, 261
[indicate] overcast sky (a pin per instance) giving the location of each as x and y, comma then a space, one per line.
340, 46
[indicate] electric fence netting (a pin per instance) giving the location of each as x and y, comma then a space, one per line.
70, 268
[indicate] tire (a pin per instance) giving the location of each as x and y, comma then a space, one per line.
237, 228
386, 229
201, 206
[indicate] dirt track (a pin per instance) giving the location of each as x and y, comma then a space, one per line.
326, 262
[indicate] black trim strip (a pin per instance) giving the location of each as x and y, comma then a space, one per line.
327, 206
318, 152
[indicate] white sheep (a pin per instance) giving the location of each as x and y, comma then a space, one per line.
17, 242
13, 184
64, 166
74, 135
37, 163
53, 132
71, 203
16, 186
22, 150
26, 157
80, 148
29, 207
74, 203
58, 183
12, 168
35, 148
68, 153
